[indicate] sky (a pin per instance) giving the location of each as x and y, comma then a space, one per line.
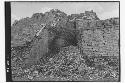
104, 10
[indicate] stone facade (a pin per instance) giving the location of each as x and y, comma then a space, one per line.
100, 38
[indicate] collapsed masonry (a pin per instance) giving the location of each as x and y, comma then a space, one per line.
94, 37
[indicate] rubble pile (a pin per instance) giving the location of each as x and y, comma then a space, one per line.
54, 46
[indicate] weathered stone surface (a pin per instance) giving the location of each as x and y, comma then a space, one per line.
69, 48
101, 41
25, 29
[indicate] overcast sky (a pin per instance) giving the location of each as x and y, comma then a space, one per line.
104, 10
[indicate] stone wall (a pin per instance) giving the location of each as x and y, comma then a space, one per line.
99, 40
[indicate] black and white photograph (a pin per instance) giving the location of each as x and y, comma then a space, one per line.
62, 41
